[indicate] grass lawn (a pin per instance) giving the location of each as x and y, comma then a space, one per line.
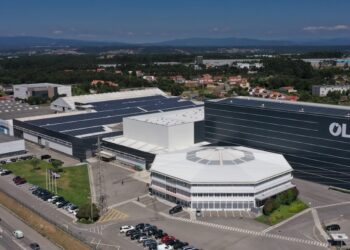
73, 184
282, 213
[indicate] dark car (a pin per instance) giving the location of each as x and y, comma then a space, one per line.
152, 246
13, 160
140, 226
137, 235
148, 242
175, 209
18, 180
34, 246
3, 162
6, 172
333, 227
129, 232
179, 244
62, 204
45, 157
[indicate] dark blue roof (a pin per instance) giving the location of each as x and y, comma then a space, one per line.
313, 108
110, 112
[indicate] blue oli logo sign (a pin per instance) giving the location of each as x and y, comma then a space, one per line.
337, 129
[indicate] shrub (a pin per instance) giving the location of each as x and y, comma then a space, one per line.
292, 195
296, 207
85, 212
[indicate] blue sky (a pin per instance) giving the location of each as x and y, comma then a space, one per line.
158, 20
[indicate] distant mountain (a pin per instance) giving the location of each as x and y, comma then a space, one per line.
224, 42
345, 41
25, 42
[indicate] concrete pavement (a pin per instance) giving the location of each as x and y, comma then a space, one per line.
10, 223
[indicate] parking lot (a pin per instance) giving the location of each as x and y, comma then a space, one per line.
10, 109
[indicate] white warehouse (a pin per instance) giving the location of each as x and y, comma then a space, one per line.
44, 90
145, 136
220, 178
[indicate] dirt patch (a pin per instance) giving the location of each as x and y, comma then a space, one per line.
41, 225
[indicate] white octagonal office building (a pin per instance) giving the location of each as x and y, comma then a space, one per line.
220, 178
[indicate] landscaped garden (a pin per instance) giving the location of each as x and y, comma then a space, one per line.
281, 207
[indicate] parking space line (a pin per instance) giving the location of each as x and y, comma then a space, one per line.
225, 213
233, 213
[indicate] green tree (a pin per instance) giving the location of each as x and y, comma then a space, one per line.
269, 206
56, 164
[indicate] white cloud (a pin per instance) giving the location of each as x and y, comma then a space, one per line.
327, 28
57, 32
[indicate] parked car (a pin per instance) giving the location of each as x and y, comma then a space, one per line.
33, 187
333, 227
142, 239
62, 204
52, 199
72, 208
125, 228
137, 235
152, 246
18, 180
34, 246
166, 239
176, 209
148, 242
140, 226
164, 247
45, 157
18, 234
5, 172
129, 232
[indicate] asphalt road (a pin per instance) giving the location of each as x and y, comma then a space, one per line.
10, 223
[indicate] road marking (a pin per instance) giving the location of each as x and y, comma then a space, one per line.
113, 214
245, 231
233, 213
225, 213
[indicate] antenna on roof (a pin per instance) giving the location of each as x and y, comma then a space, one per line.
301, 110
263, 105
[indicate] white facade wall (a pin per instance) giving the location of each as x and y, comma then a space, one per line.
147, 132
65, 90
208, 198
30, 137
20, 92
56, 146
47, 143
324, 90
12, 146
171, 137
181, 136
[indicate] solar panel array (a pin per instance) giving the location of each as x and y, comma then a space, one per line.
110, 112
313, 108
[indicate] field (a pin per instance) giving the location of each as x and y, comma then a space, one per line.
73, 184
282, 213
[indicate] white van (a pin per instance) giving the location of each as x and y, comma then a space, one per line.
18, 234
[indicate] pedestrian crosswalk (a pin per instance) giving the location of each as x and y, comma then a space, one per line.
113, 214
